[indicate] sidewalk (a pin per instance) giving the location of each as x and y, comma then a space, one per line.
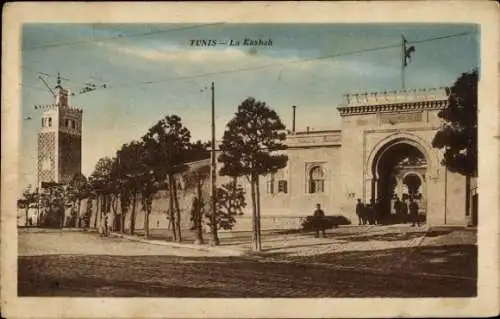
217, 251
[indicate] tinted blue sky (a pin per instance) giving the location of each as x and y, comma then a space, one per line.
152, 71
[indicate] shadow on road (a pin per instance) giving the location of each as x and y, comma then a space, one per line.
275, 275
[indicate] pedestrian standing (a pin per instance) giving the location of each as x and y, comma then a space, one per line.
360, 211
370, 212
319, 222
414, 212
404, 210
397, 209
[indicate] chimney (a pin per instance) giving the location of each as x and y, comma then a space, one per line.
307, 130
293, 118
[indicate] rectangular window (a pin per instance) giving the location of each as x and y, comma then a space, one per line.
316, 186
282, 186
270, 186
320, 186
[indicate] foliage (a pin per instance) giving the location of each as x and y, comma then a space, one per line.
29, 197
78, 189
167, 144
458, 135
230, 201
250, 139
130, 168
197, 151
53, 200
250, 147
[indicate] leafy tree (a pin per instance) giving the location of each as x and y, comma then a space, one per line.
53, 200
29, 197
102, 184
458, 135
131, 166
249, 148
197, 151
78, 189
167, 144
230, 199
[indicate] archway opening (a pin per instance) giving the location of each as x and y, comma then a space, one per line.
399, 175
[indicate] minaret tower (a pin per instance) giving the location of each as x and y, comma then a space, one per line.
60, 139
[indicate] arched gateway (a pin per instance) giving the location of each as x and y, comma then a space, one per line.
386, 155
398, 171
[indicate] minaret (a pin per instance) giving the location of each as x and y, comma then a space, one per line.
60, 139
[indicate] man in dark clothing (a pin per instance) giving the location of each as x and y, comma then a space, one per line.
397, 209
404, 210
319, 223
360, 210
414, 212
370, 212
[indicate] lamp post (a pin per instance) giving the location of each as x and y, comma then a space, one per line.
213, 176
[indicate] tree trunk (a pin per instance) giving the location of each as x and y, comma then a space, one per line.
146, 218
467, 195
258, 223
146, 224
26, 217
171, 211
177, 211
122, 219
78, 213
132, 216
198, 212
96, 210
254, 216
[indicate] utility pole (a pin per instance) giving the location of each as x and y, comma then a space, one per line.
403, 61
213, 176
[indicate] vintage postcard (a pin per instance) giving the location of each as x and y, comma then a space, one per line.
250, 160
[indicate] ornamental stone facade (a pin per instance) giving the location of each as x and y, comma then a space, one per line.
59, 140
384, 149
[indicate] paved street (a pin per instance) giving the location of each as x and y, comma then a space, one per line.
370, 262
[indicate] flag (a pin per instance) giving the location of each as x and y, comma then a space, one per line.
407, 51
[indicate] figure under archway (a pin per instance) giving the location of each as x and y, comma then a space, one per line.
399, 171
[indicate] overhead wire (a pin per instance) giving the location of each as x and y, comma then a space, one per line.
120, 36
267, 66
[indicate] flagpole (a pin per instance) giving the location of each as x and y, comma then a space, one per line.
403, 58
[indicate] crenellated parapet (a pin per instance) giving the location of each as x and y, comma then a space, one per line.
48, 107
394, 101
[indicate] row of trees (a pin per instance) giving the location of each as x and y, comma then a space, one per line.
250, 148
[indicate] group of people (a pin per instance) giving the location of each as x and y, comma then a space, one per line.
375, 213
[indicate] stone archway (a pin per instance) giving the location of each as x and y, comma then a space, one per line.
398, 173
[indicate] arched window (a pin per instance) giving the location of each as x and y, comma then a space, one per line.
316, 180
50, 122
